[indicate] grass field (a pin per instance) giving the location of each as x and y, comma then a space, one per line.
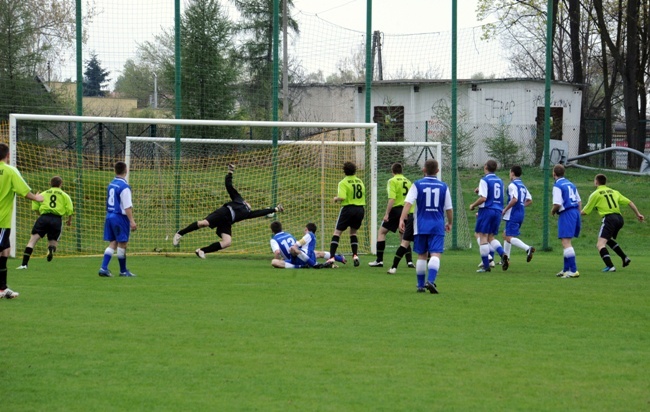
231, 333
235, 334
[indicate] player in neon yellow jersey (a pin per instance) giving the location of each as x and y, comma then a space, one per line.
607, 202
56, 206
352, 196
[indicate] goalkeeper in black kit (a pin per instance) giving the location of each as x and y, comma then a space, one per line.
224, 217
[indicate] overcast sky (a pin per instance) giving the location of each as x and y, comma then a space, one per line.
393, 16
111, 43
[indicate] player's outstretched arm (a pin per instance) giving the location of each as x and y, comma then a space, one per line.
639, 216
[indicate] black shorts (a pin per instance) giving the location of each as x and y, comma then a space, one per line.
350, 216
50, 225
612, 223
408, 229
393, 219
221, 219
5, 235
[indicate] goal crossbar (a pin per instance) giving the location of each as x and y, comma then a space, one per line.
374, 144
366, 135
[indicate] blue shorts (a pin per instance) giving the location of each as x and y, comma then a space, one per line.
429, 243
296, 262
116, 228
512, 228
488, 221
568, 223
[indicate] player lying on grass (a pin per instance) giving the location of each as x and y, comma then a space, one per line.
224, 217
290, 253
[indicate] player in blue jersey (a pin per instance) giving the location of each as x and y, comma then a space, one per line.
291, 253
513, 214
223, 218
490, 207
567, 205
119, 221
281, 244
432, 201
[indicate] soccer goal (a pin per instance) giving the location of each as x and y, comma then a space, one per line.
178, 181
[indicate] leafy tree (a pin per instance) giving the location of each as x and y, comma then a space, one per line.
95, 78
441, 120
629, 50
350, 69
20, 88
136, 81
210, 70
256, 27
154, 57
503, 148
602, 44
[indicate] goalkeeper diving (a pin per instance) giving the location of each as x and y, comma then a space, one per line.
224, 217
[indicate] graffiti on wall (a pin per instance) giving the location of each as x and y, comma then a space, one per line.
500, 110
539, 100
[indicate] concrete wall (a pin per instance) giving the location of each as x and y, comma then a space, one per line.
483, 106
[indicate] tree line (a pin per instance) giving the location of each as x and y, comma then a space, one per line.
226, 73
603, 45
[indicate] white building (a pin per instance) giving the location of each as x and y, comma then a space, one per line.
415, 108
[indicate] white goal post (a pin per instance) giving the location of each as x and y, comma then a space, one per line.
374, 145
39, 158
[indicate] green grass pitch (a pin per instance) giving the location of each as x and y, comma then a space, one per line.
232, 333
228, 333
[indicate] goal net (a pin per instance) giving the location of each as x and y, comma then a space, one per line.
178, 181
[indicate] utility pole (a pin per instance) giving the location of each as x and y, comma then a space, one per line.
376, 52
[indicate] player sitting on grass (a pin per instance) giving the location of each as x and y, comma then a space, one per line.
290, 253
308, 245
224, 217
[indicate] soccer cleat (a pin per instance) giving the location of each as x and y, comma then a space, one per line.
355, 259
8, 294
483, 270
411, 265
231, 168
609, 269
50, 255
376, 264
569, 274
626, 261
21, 267
529, 254
392, 271
279, 208
105, 273
176, 239
127, 274
431, 287
421, 290
560, 274
340, 258
200, 253
505, 262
